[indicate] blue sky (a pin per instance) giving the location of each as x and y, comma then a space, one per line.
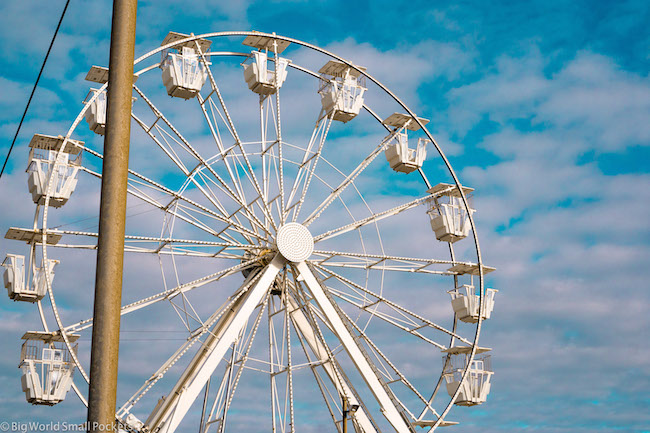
542, 106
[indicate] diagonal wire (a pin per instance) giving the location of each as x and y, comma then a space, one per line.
34, 89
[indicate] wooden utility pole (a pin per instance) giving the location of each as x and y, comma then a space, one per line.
112, 214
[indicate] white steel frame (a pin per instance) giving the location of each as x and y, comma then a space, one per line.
246, 194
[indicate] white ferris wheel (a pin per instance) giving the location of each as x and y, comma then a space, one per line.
280, 272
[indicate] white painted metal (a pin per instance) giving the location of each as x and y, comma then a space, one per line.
306, 330
266, 43
295, 242
96, 113
179, 40
471, 269
170, 413
244, 195
342, 90
400, 121
31, 236
99, 74
402, 158
183, 73
46, 368
260, 78
476, 386
389, 410
449, 219
14, 278
45, 162
465, 302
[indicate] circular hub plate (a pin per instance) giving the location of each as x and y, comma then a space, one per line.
295, 242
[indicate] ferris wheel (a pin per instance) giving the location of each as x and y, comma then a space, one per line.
280, 272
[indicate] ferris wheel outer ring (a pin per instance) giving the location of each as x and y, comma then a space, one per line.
362, 72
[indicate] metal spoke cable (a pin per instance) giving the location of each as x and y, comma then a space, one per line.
29, 101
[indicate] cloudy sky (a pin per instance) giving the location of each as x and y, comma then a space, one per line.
542, 106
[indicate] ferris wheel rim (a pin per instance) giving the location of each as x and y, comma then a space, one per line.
313, 47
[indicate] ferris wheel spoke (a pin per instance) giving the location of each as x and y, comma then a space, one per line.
230, 153
346, 182
156, 251
281, 359
233, 131
207, 329
159, 240
168, 293
239, 359
267, 154
261, 200
232, 194
189, 215
184, 315
143, 180
280, 161
273, 164
215, 90
184, 348
181, 308
309, 162
375, 217
382, 262
190, 175
218, 403
367, 264
234, 216
211, 120
406, 319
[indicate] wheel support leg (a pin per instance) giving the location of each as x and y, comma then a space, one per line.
167, 416
351, 347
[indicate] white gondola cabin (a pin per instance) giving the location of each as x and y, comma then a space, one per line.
465, 302
14, 276
47, 367
46, 270
96, 113
14, 279
476, 387
449, 218
341, 90
183, 70
400, 157
259, 77
45, 160
465, 299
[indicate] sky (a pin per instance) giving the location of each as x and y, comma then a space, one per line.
541, 106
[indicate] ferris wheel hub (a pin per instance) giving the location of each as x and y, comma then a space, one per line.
295, 242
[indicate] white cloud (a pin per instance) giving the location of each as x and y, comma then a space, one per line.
571, 244
590, 96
